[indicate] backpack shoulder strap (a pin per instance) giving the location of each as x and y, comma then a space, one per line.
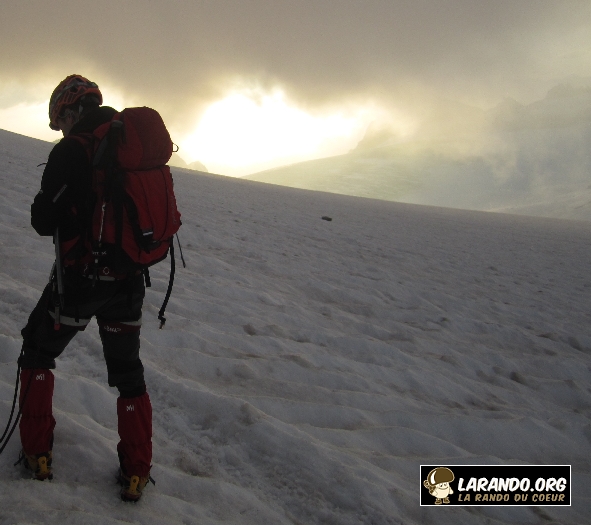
86, 140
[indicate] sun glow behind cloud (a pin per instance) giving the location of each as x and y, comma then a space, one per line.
28, 119
247, 132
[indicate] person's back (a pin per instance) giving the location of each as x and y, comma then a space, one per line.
66, 203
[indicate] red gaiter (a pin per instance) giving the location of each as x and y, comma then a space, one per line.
35, 399
135, 430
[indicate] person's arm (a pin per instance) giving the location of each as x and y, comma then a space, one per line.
51, 207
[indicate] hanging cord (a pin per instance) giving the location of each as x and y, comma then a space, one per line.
180, 250
170, 283
58, 291
18, 376
4, 441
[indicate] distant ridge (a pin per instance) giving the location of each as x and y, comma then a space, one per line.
527, 159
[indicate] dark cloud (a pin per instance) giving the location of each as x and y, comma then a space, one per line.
180, 54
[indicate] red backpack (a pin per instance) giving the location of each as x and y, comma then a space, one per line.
135, 215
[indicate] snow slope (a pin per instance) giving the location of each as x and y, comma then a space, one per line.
309, 367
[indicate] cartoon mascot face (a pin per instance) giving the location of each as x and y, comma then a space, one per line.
437, 483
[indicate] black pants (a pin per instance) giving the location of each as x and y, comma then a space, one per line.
117, 306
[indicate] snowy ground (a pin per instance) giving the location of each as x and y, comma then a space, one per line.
309, 367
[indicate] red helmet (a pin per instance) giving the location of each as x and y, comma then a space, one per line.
68, 91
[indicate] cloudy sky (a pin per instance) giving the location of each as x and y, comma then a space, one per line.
248, 84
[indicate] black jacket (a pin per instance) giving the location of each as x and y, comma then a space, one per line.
67, 182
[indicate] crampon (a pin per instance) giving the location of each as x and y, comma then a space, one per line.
132, 486
38, 464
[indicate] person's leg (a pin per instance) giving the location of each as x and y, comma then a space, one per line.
42, 343
134, 410
119, 327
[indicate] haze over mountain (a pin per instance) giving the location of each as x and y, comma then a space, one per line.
528, 159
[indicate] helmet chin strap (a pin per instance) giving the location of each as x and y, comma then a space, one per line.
75, 115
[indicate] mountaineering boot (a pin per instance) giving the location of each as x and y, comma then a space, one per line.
37, 422
132, 486
39, 465
134, 417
